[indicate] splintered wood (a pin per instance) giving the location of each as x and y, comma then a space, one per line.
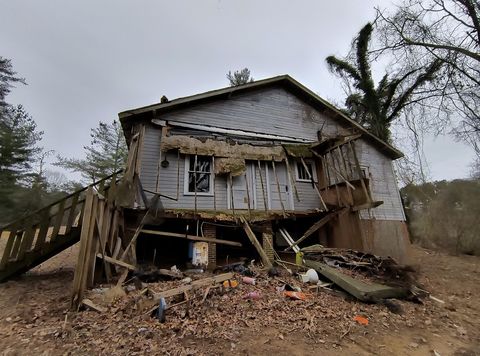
97, 240
255, 243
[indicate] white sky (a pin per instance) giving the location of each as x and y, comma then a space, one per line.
85, 61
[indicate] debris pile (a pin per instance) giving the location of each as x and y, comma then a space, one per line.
220, 306
363, 265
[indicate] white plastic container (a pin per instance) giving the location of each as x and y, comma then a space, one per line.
312, 276
200, 254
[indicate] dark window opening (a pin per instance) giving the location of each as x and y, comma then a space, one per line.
199, 174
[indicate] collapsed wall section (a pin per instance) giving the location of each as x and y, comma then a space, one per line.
278, 112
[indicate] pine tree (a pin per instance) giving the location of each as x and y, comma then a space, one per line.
105, 155
18, 145
18, 149
7, 79
239, 77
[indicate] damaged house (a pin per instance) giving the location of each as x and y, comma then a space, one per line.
256, 171
269, 158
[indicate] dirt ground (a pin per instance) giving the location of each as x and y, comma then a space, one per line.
35, 319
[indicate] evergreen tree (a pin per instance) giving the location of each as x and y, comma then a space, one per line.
18, 145
7, 79
239, 77
105, 155
18, 150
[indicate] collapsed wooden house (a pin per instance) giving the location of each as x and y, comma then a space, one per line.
248, 171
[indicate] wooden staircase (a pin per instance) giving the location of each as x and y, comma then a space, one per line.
35, 238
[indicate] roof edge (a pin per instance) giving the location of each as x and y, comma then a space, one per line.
178, 103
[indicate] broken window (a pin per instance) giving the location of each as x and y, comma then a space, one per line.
198, 177
302, 174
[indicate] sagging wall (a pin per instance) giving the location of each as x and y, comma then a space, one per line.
384, 229
383, 184
170, 181
275, 111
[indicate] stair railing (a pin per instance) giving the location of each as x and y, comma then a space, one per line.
48, 224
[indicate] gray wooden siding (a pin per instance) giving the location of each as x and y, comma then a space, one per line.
308, 197
273, 111
167, 182
261, 194
383, 184
150, 155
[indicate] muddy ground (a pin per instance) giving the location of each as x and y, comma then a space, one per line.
35, 319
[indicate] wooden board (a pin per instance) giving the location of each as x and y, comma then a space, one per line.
195, 284
191, 237
367, 292
317, 226
255, 243
116, 262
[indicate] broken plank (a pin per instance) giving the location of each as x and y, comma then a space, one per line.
366, 292
204, 282
315, 184
255, 242
116, 262
316, 226
92, 305
191, 237
369, 205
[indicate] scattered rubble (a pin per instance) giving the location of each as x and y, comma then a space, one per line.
212, 318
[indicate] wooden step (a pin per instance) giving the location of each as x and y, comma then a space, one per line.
33, 258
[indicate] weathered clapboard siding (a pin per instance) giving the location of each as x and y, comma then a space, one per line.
383, 184
261, 195
308, 197
168, 180
150, 155
167, 177
272, 111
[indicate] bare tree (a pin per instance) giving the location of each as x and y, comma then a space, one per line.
447, 30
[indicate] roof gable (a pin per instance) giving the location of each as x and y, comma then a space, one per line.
286, 82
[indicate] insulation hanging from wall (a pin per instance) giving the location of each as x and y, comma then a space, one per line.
210, 147
298, 150
127, 192
234, 166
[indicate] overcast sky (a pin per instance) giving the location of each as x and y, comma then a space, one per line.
85, 61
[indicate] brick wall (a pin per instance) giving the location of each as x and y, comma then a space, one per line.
267, 240
211, 231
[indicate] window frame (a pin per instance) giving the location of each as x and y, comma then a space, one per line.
187, 175
298, 164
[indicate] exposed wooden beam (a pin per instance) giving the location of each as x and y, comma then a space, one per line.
314, 184
278, 187
234, 132
254, 241
369, 205
191, 237
317, 226
336, 170
116, 262
204, 282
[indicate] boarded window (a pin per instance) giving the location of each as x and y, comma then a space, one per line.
199, 175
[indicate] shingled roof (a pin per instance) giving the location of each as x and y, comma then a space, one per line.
285, 81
